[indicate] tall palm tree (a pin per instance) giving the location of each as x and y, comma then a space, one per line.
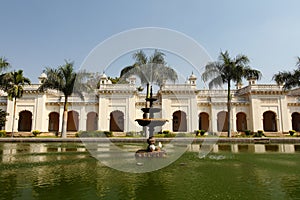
151, 69
67, 81
226, 70
289, 79
3, 66
14, 87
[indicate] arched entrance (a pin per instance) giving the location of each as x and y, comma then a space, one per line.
53, 121
203, 121
73, 121
222, 121
179, 121
116, 121
296, 121
92, 121
241, 121
25, 121
269, 121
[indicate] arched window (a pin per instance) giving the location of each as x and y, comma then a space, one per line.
25, 121
53, 121
222, 120
241, 121
116, 121
179, 121
269, 121
203, 121
92, 121
296, 121
73, 121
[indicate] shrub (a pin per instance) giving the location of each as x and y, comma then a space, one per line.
247, 132
292, 132
197, 132
3, 133
94, 134
108, 133
132, 134
170, 135
36, 132
259, 133
202, 132
166, 132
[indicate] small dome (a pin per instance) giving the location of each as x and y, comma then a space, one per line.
192, 76
103, 76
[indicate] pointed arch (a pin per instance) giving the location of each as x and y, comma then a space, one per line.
296, 121
53, 124
116, 121
25, 121
222, 121
269, 121
73, 121
203, 121
92, 121
179, 121
241, 121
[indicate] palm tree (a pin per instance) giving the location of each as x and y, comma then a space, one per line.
289, 79
67, 81
3, 66
151, 69
226, 70
14, 87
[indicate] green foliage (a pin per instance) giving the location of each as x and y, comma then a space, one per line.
247, 132
166, 132
259, 133
36, 132
169, 135
94, 134
292, 132
3, 115
152, 69
132, 134
3, 133
15, 82
289, 79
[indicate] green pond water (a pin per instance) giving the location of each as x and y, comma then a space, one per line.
68, 171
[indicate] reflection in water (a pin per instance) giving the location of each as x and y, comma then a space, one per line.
68, 171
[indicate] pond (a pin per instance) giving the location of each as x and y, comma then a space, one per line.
68, 171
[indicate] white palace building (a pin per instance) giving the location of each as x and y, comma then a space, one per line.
114, 107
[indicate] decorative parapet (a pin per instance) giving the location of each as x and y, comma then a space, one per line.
263, 89
178, 89
117, 89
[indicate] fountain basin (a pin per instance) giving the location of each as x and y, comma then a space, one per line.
151, 110
151, 122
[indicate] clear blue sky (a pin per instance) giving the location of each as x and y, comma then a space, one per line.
40, 33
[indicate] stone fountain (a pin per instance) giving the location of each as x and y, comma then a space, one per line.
148, 116
150, 122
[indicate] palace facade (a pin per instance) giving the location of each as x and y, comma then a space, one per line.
114, 107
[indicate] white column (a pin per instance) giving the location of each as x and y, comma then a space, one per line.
214, 120
61, 116
82, 119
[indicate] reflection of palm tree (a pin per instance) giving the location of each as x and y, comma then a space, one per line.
289, 79
67, 81
226, 70
15, 82
151, 69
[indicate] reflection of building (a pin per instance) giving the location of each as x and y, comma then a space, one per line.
116, 106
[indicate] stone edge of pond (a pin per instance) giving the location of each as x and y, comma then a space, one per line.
143, 140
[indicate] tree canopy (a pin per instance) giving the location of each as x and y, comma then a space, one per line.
151, 69
289, 79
